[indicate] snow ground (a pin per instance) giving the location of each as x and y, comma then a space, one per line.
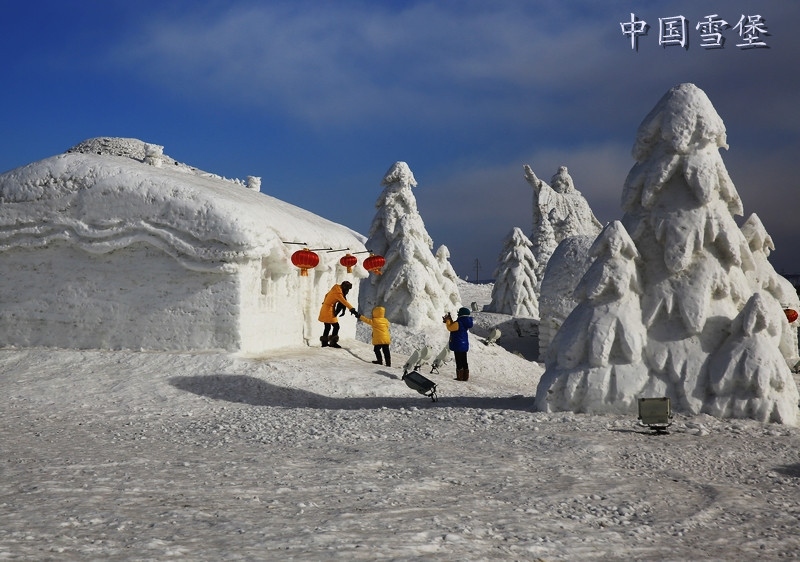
318, 454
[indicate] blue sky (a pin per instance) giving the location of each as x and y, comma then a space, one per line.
321, 98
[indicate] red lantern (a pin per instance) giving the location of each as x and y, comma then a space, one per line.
791, 315
374, 264
348, 261
305, 259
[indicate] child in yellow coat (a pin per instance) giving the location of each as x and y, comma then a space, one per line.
380, 335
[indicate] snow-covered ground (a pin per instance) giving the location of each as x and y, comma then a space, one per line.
313, 454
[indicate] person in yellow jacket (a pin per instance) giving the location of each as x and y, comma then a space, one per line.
380, 335
327, 314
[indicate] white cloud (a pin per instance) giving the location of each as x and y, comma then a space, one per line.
345, 61
358, 64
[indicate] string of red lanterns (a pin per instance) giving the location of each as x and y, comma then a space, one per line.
306, 259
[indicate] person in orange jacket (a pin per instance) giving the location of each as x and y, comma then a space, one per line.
380, 335
327, 314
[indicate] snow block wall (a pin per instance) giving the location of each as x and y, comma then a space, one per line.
675, 303
114, 245
62, 296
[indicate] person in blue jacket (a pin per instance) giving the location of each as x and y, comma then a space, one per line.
459, 340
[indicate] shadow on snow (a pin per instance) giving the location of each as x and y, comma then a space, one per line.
255, 392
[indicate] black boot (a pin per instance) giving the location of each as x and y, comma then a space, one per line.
465, 375
333, 341
324, 340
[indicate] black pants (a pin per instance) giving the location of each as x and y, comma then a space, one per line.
327, 329
461, 360
387, 357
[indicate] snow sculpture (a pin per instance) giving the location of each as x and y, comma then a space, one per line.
559, 212
153, 154
412, 285
450, 279
514, 290
764, 277
749, 378
594, 363
693, 327
564, 270
100, 250
254, 183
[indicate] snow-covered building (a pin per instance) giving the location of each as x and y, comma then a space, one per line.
114, 245
678, 301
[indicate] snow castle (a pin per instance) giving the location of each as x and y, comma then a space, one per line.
678, 300
114, 245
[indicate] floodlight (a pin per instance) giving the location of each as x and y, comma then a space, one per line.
655, 413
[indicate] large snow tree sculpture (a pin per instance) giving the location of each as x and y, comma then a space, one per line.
559, 211
514, 290
411, 287
706, 326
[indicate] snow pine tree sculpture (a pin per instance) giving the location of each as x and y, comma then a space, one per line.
679, 204
594, 363
514, 290
559, 212
412, 285
748, 374
764, 277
